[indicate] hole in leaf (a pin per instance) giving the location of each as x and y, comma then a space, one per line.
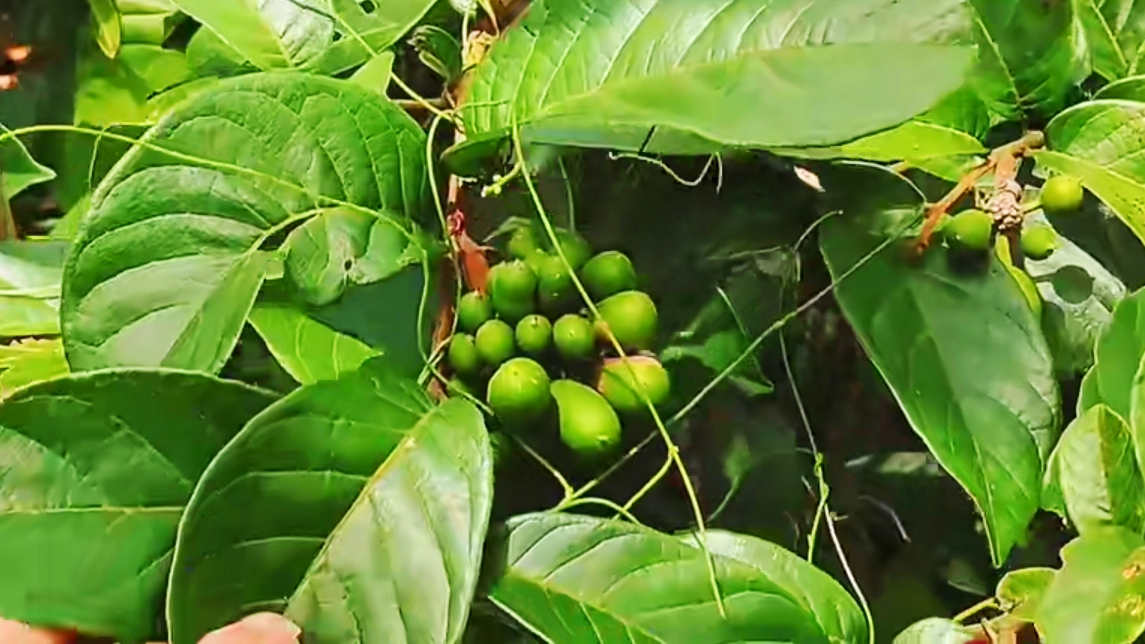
369, 7
337, 36
348, 264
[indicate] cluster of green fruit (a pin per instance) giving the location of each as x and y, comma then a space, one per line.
532, 344
974, 230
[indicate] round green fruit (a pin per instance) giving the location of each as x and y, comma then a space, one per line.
555, 288
463, 354
1038, 242
1062, 195
512, 286
632, 318
589, 425
970, 229
495, 342
473, 310
621, 386
534, 334
575, 248
519, 391
523, 242
574, 337
607, 274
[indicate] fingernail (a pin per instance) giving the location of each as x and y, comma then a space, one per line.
270, 624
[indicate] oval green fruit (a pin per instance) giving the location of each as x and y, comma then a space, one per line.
463, 355
1038, 241
519, 391
621, 386
473, 310
589, 425
523, 242
1062, 195
534, 334
574, 337
495, 342
575, 248
607, 274
512, 286
970, 229
555, 288
632, 318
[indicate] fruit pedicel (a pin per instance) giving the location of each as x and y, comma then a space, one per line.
532, 349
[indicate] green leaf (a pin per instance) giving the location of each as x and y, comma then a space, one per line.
1021, 591
937, 630
1027, 55
1103, 132
19, 169
913, 141
1078, 295
30, 273
1098, 593
1127, 22
438, 50
116, 92
837, 613
986, 404
1116, 358
1127, 89
30, 361
308, 350
109, 26
210, 55
148, 22
575, 579
1093, 473
97, 468
688, 76
340, 247
324, 36
360, 487
162, 271
375, 74
1107, 58
1124, 195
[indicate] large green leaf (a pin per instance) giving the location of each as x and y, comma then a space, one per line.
690, 75
164, 268
1028, 55
1105, 132
18, 170
1093, 477
1098, 593
963, 353
116, 92
913, 141
30, 361
1117, 356
307, 349
109, 26
325, 36
1021, 591
576, 579
96, 469
371, 509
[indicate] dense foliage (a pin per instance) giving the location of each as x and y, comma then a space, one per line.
506, 321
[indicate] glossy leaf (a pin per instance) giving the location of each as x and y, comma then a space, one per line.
937, 630
1078, 295
1027, 55
20, 170
1093, 474
1117, 356
913, 141
96, 470
307, 349
1021, 591
689, 76
375, 74
576, 579
1128, 89
30, 273
836, 611
331, 518
163, 270
989, 415
1103, 132
28, 362
1108, 59
1097, 595
1124, 195
325, 36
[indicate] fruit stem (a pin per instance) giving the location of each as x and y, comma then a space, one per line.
561, 480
